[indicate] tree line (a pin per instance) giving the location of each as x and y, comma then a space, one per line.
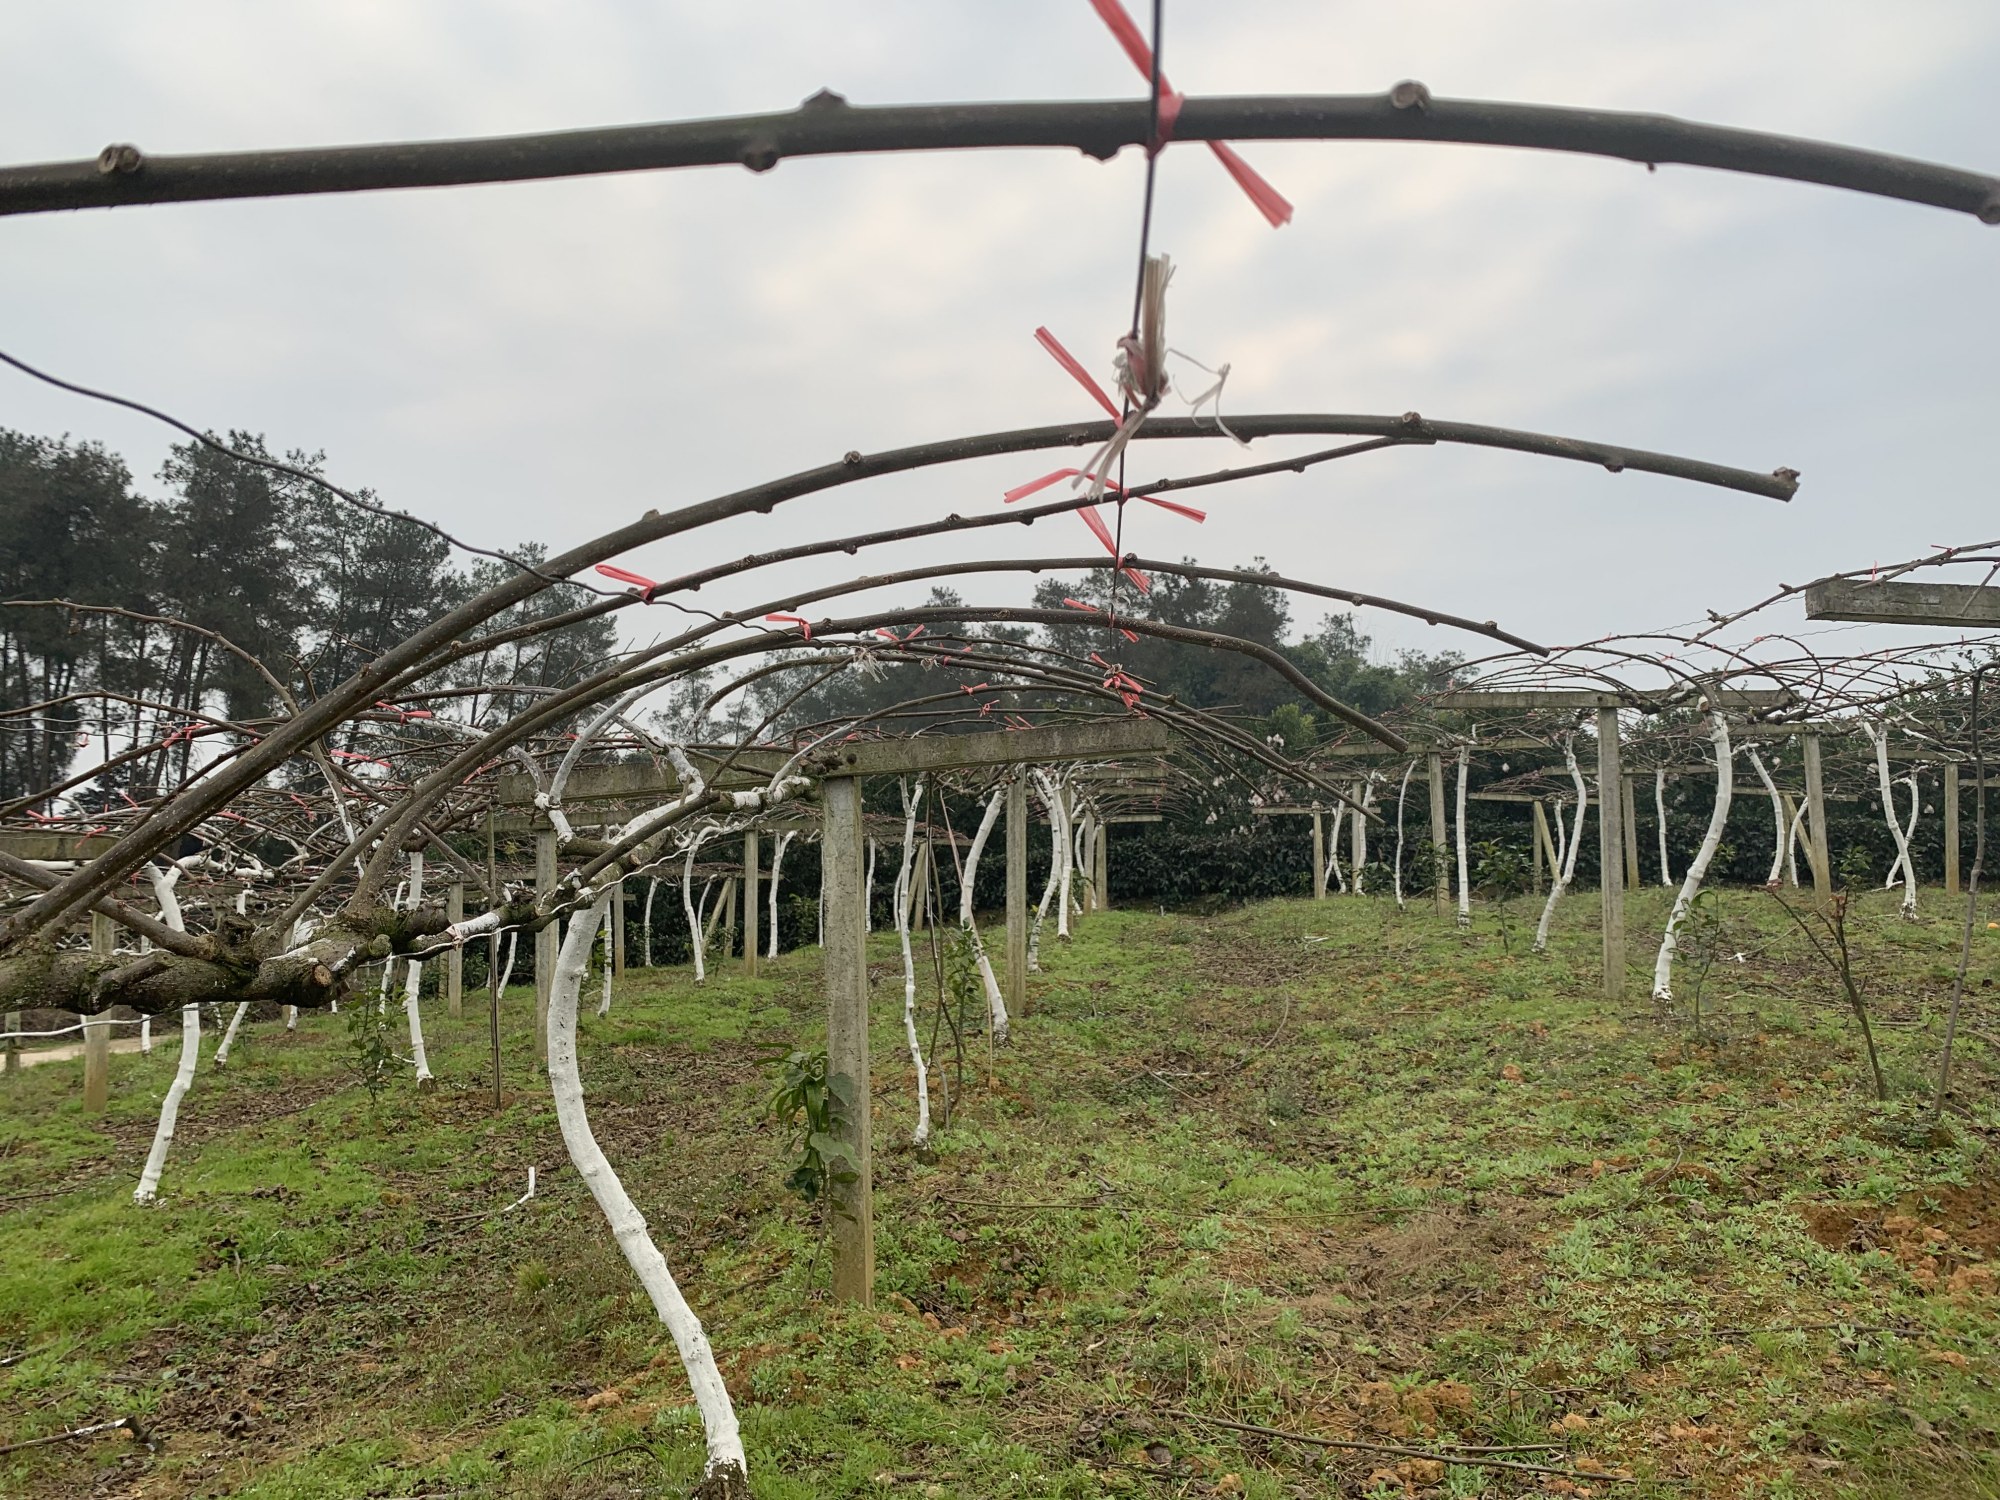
217, 595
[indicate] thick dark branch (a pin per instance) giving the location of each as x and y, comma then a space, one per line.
220, 782
825, 125
184, 943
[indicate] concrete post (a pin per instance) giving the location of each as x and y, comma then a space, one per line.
1611, 851
1541, 838
1017, 894
1816, 822
1319, 855
1632, 880
454, 959
728, 915
13, 1042
1102, 832
1438, 835
846, 969
750, 882
617, 954
920, 913
1951, 828
547, 942
96, 1031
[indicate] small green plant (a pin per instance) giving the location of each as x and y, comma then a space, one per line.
1701, 941
1498, 873
812, 1103
370, 1054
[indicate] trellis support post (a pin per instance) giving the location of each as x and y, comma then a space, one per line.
750, 882
1017, 893
454, 960
547, 940
846, 969
1816, 821
96, 1030
1438, 835
1951, 828
1611, 851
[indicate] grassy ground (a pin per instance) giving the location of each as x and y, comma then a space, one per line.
1326, 1168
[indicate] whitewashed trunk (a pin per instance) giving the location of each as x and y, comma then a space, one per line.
646, 921
1902, 860
777, 864
1402, 795
1464, 872
413, 981
697, 939
1780, 829
1878, 735
163, 881
229, 1033
1566, 871
868, 892
604, 1004
996, 1004
1725, 786
1052, 800
922, 1135
170, 1109
1660, 807
1063, 847
628, 1226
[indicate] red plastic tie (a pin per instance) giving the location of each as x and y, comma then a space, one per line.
1022, 491
1197, 516
639, 581
1270, 202
1077, 372
798, 620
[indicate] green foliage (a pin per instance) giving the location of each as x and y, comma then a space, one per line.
811, 1104
371, 1055
1499, 873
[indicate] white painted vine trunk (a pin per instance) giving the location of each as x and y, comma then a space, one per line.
1566, 872
1464, 874
996, 1003
170, 1109
163, 880
696, 938
922, 1135
1053, 802
1780, 830
229, 1033
1902, 859
868, 892
1878, 735
604, 1005
1725, 786
1660, 810
646, 921
777, 864
1402, 794
1062, 805
413, 982
628, 1226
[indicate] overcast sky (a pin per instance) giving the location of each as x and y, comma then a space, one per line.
545, 361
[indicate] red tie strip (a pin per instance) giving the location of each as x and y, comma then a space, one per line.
805, 626
1034, 486
1092, 609
1015, 721
639, 581
977, 687
1077, 372
901, 640
986, 708
1270, 202
404, 715
366, 760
